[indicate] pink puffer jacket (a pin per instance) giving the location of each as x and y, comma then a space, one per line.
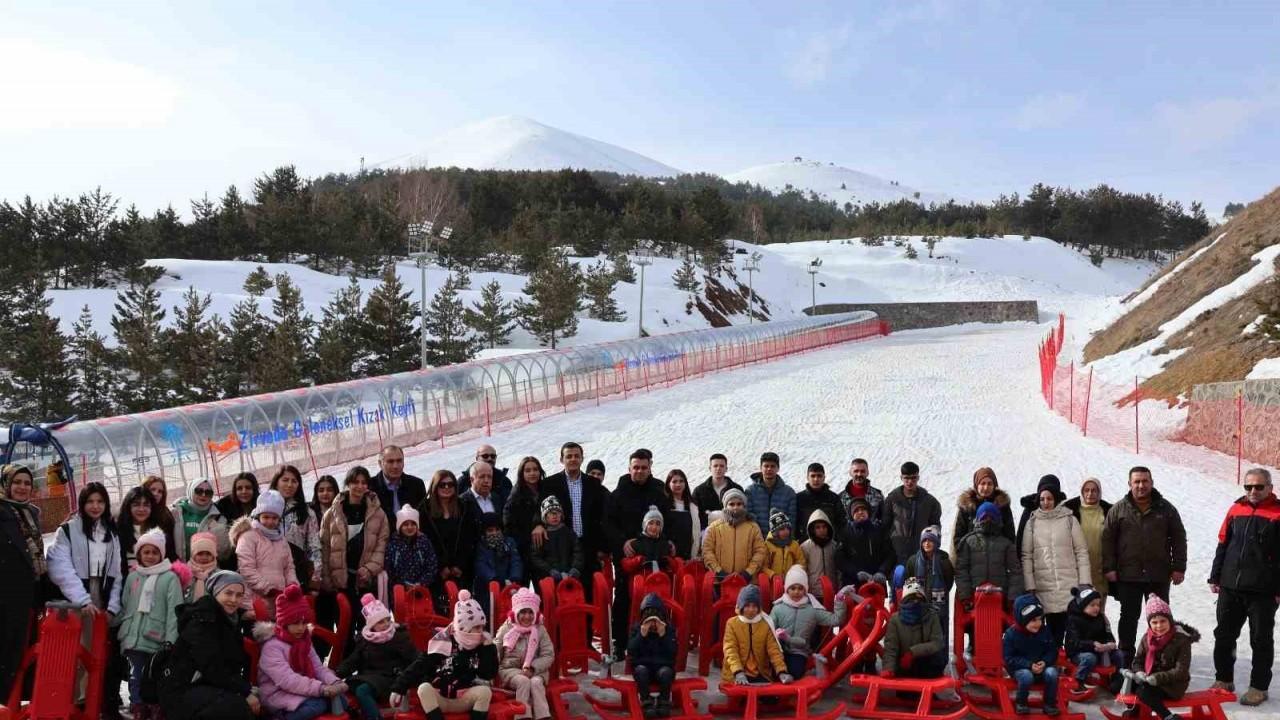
267, 565
281, 689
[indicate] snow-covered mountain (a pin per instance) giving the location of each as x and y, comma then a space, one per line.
511, 142
832, 182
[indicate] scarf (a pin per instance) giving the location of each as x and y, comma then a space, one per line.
911, 612
444, 641
934, 574
378, 638
272, 535
530, 634
30, 533
299, 652
152, 573
808, 601
1155, 644
496, 543
779, 543
200, 572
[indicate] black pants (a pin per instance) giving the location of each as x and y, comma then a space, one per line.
326, 617
927, 667
1131, 596
621, 607
1234, 608
1153, 697
15, 634
1057, 623
204, 702
645, 676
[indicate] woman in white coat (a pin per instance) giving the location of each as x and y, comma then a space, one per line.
1055, 558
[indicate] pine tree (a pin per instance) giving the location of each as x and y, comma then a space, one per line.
36, 384
623, 270
258, 282
449, 339
462, 278
492, 317
339, 339
139, 338
246, 341
391, 333
598, 287
554, 291
911, 253
191, 345
93, 378
285, 363
686, 277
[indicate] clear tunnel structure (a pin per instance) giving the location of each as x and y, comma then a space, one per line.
319, 427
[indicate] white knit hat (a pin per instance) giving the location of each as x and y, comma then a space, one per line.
796, 576
270, 502
406, 514
374, 611
154, 537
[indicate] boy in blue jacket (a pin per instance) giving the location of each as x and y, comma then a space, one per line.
1030, 654
652, 651
497, 558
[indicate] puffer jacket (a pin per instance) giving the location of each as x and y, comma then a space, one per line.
281, 688
822, 559
751, 648
1248, 554
378, 664
267, 565
734, 548
561, 553
411, 561
209, 651
150, 631
1023, 649
801, 623
1172, 669
1084, 630
511, 661
762, 500
904, 518
1054, 557
333, 540
864, 549
780, 558
967, 513
1144, 547
921, 640
810, 501
988, 558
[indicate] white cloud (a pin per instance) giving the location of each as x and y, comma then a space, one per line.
1205, 124
1048, 110
47, 87
812, 62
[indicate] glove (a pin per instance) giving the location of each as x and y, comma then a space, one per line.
886, 673
1142, 678
906, 659
786, 679
880, 578
782, 634
864, 577
574, 573
740, 678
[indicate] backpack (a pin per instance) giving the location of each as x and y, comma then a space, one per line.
157, 672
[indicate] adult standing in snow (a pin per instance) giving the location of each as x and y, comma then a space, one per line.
584, 501
907, 511
985, 489
1054, 559
817, 495
708, 496
197, 513
1246, 578
859, 486
393, 486
1144, 549
481, 497
1091, 510
769, 492
1031, 502
23, 564
502, 484
628, 505
682, 525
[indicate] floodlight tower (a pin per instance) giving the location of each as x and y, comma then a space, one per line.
751, 264
813, 287
642, 256
421, 235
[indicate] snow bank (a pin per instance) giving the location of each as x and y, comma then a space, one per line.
832, 182
1265, 369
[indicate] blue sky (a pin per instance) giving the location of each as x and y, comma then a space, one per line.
161, 103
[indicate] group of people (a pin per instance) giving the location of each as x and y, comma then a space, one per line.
187, 573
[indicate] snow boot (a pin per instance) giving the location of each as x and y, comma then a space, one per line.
1253, 697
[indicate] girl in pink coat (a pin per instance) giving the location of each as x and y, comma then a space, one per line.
263, 552
293, 683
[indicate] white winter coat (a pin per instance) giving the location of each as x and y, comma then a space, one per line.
1055, 557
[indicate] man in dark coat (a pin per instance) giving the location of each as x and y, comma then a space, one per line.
708, 496
585, 503
1246, 577
907, 511
817, 495
393, 486
501, 482
482, 496
1144, 549
636, 492
859, 486
864, 551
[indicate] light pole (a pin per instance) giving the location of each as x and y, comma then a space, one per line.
420, 237
642, 256
813, 286
752, 265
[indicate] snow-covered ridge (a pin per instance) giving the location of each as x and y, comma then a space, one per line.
832, 182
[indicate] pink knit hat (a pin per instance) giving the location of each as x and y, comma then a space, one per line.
374, 611
525, 599
292, 607
467, 613
1157, 606
202, 541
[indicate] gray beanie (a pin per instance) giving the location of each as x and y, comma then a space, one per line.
653, 514
222, 579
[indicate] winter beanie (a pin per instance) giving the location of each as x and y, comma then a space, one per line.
406, 514
467, 613
1085, 594
778, 520
748, 594
154, 537
654, 515
770, 457
594, 465
292, 607
652, 606
221, 580
550, 505
913, 588
204, 542
1053, 484
859, 503
796, 576
731, 494
934, 533
1157, 606
269, 503
1026, 608
373, 610
984, 472
988, 512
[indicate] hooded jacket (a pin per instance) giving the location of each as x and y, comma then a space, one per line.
904, 518
378, 664
1172, 669
1023, 649
780, 558
209, 651
1248, 555
763, 500
1084, 630
988, 556
653, 650
267, 565
734, 548
1054, 557
1144, 547
809, 501
282, 688
921, 640
333, 540
149, 632
821, 559
801, 624
751, 648
864, 548
967, 513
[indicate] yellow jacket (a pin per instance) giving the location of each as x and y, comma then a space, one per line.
780, 559
751, 648
733, 548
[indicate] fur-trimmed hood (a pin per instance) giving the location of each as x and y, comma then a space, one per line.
263, 631
1192, 634
238, 529
969, 500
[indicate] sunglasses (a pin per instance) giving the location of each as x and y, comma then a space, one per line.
447, 485
204, 493
490, 456
1259, 488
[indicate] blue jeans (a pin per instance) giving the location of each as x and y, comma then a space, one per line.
137, 662
1049, 677
312, 708
368, 702
1087, 661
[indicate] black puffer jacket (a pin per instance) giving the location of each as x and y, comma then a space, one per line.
379, 664
864, 548
1144, 547
450, 674
904, 518
824, 499
210, 643
988, 557
1084, 630
1248, 555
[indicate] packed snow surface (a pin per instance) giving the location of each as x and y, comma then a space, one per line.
1266, 369
511, 142
832, 182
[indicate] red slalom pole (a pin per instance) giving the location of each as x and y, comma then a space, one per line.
1088, 391
1239, 434
1136, 443
306, 435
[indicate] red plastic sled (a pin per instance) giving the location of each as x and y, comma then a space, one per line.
858, 641
928, 707
714, 616
796, 699
416, 611
1204, 705
55, 658
568, 626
